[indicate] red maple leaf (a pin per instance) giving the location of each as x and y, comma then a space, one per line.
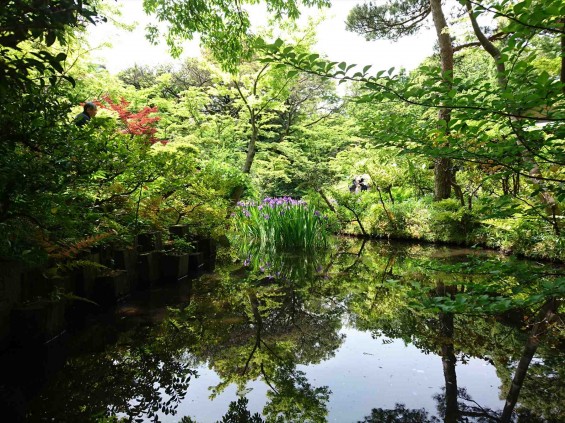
139, 123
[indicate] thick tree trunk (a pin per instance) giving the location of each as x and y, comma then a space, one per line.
442, 179
448, 359
448, 362
443, 166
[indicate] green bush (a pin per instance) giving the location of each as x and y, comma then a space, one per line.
422, 219
523, 236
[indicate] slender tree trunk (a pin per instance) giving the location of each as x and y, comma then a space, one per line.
545, 316
258, 324
238, 191
545, 197
563, 56
389, 191
443, 166
326, 199
357, 219
252, 144
388, 214
254, 121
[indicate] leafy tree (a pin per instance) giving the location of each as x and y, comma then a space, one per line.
191, 73
138, 123
31, 21
404, 18
223, 25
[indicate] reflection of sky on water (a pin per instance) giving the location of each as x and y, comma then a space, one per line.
364, 374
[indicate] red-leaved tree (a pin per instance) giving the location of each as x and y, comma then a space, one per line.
138, 123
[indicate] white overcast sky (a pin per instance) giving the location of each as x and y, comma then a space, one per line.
129, 48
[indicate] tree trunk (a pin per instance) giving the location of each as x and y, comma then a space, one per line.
516, 184
545, 316
443, 166
546, 198
448, 362
251, 145
442, 179
326, 199
563, 56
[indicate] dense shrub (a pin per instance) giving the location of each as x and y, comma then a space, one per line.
447, 221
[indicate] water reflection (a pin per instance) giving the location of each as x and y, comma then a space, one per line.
286, 332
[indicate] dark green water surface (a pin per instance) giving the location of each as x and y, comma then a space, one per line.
363, 332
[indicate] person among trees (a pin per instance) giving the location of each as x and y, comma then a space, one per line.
88, 113
355, 186
363, 185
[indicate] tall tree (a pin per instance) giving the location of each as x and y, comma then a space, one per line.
399, 18
520, 25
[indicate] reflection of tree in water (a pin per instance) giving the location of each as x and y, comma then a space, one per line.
251, 329
137, 381
547, 319
400, 414
468, 412
237, 413
247, 327
382, 310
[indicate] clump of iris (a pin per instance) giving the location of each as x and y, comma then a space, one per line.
282, 221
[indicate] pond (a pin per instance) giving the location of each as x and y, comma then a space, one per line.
362, 332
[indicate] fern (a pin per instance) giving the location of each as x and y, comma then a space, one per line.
62, 252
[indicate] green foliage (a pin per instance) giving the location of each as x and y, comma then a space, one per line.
522, 236
492, 286
179, 246
279, 110
444, 221
44, 23
223, 26
238, 413
491, 137
391, 21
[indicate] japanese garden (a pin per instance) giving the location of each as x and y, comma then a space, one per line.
262, 233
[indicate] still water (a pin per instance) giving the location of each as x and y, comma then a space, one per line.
363, 332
